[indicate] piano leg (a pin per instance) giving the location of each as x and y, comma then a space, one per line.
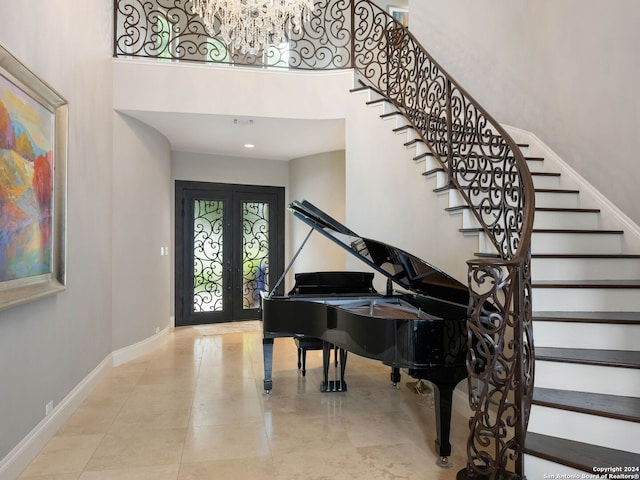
339, 366
343, 366
395, 376
326, 359
267, 354
443, 395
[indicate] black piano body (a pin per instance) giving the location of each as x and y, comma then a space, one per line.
421, 329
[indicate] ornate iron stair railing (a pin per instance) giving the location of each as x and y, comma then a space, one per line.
482, 161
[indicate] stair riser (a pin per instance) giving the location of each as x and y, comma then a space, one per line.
539, 469
469, 220
466, 150
572, 220
586, 299
545, 220
455, 199
588, 378
576, 243
592, 219
408, 134
421, 148
598, 336
430, 163
565, 243
554, 243
442, 179
559, 243
581, 427
384, 107
553, 200
585, 269
545, 181
535, 165
556, 200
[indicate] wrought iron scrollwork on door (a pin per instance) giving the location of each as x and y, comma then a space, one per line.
208, 266
255, 252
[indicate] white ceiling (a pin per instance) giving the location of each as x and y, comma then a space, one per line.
274, 138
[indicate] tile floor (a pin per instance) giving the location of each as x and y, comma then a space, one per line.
195, 409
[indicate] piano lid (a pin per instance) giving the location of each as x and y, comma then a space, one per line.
406, 270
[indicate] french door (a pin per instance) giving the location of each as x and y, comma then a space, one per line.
229, 249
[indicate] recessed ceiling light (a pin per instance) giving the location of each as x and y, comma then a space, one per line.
249, 145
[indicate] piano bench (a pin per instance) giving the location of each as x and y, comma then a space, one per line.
304, 344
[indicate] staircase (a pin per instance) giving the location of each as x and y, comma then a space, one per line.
586, 300
585, 280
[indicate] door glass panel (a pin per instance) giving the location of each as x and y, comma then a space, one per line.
207, 255
255, 252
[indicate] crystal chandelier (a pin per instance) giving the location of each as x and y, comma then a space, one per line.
252, 25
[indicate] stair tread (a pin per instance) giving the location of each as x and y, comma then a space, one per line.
539, 174
576, 230
588, 317
390, 114
359, 89
558, 209
536, 190
537, 209
605, 256
586, 284
554, 230
474, 137
555, 190
612, 358
610, 406
423, 155
441, 169
544, 174
578, 455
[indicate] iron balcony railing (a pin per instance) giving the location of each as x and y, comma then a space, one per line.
482, 161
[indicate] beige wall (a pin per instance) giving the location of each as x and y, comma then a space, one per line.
49, 346
320, 179
388, 199
140, 227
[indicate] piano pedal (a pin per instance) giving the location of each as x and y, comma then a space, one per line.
443, 462
333, 386
267, 386
420, 387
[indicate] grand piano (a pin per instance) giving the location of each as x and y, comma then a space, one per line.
420, 328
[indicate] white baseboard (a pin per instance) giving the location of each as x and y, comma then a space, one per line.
127, 354
23, 454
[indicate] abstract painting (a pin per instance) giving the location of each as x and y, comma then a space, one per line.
32, 184
26, 184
